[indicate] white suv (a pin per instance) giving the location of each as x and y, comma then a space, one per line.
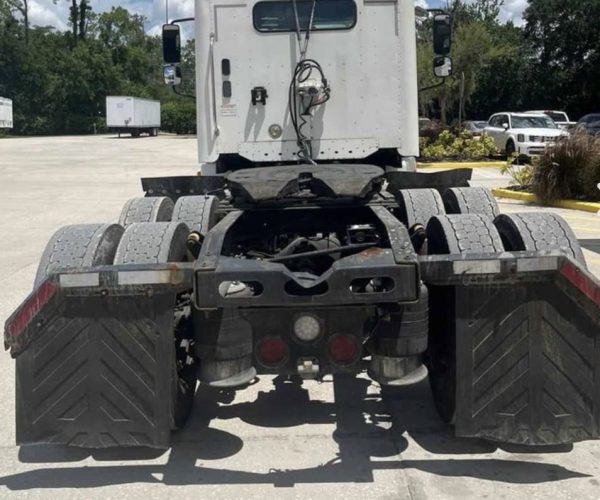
523, 133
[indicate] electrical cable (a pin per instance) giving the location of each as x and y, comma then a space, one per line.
302, 72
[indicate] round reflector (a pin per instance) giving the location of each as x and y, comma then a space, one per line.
307, 327
272, 351
343, 350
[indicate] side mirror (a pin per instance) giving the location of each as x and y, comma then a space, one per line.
172, 74
171, 42
442, 34
505, 126
442, 67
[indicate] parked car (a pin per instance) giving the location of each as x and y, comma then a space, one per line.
424, 123
590, 123
526, 134
475, 127
560, 118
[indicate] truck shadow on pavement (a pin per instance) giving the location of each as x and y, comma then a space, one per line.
367, 426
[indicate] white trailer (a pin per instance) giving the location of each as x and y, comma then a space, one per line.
6, 113
132, 115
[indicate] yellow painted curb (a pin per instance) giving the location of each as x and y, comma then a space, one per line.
586, 206
454, 165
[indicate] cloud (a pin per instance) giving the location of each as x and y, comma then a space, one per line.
45, 13
48, 13
512, 10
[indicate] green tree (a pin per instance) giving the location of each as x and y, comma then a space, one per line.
566, 38
489, 54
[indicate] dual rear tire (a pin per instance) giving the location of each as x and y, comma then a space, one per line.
479, 234
151, 230
87, 245
418, 206
198, 212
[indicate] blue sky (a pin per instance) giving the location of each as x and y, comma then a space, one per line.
47, 13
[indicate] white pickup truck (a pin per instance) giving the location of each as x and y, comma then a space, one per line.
560, 118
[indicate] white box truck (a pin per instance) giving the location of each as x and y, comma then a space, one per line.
132, 115
6, 113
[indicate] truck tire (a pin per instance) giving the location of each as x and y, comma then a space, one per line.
151, 209
463, 234
82, 245
471, 200
440, 357
159, 243
198, 212
510, 148
417, 206
451, 235
535, 232
152, 243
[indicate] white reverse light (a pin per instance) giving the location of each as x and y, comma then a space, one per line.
307, 327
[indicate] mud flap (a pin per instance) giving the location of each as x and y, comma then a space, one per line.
527, 364
98, 372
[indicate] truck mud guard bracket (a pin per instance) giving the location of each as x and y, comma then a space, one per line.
527, 331
175, 187
422, 180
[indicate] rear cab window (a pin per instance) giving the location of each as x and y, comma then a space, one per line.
279, 15
557, 117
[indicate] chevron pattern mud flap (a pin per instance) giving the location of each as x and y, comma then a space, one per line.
99, 374
527, 365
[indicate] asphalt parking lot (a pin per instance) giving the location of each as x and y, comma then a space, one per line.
336, 439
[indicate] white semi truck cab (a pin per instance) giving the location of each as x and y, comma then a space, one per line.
287, 81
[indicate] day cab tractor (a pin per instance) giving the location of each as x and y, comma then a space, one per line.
308, 245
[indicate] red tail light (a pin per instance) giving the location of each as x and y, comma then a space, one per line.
582, 282
272, 351
343, 350
31, 307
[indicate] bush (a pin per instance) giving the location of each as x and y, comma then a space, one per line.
570, 169
178, 117
461, 147
521, 175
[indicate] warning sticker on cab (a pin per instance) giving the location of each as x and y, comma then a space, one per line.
229, 110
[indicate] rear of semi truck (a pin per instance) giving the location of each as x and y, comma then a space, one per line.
133, 115
313, 249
